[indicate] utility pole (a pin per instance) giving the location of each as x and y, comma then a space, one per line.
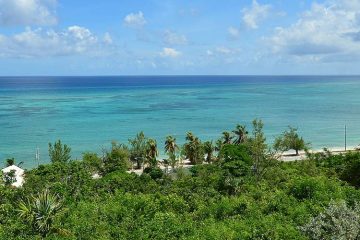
37, 155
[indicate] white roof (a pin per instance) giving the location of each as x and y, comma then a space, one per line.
19, 175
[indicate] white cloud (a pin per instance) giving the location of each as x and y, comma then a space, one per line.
223, 54
47, 43
226, 50
173, 38
107, 38
27, 12
136, 20
254, 15
326, 32
80, 33
170, 52
234, 32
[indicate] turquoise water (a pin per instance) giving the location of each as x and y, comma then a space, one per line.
88, 113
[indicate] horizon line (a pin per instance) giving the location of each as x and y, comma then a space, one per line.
192, 75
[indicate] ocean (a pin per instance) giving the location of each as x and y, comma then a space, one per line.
87, 113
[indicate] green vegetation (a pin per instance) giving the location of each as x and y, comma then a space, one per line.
241, 192
40, 212
290, 140
194, 150
138, 152
59, 152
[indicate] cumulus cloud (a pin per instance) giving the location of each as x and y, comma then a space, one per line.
234, 32
41, 43
135, 20
173, 38
323, 32
170, 53
255, 14
27, 12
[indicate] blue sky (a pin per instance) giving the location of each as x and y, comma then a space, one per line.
155, 37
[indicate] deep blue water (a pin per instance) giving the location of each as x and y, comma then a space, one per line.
88, 113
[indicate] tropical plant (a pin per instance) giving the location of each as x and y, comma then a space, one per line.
59, 153
290, 140
235, 159
218, 146
138, 150
165, 163
209, 149
190, 137
262, 156
171, 148
92, 162
246, 194
117, 159
10, 162
40, 211
173, 160
241, 134
193, 149
227, 137
170, 145
152, 152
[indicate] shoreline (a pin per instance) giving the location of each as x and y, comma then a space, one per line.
286, 156
290, 156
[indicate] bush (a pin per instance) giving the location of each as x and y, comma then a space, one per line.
235, 160
155, 173
304, 188
337, 222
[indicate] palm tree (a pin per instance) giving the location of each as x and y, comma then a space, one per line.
12, 161
209, 149
152, 152
170, 145
227, 137
40, 211
190, 137
193, 149
138, 149
173, 160
241, 134
218, 145
170, 148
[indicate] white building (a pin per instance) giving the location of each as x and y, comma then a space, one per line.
19, 175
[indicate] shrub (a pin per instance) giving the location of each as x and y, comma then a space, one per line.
337, 222
155, 173
304, 188
235, 160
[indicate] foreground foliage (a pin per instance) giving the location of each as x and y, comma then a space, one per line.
243, 193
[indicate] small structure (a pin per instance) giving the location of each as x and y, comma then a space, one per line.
18, 175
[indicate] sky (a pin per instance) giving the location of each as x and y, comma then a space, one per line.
179, 37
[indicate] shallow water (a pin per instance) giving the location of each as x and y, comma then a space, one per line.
88, 113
